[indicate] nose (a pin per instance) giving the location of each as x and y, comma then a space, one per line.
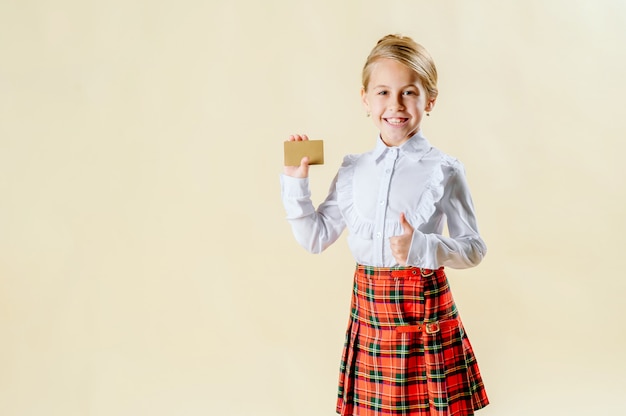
396, 104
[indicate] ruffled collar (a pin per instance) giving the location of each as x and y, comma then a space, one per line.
415, 148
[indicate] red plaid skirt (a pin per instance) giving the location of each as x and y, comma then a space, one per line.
406, 352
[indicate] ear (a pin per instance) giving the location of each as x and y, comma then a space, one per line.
430, 104
366, 103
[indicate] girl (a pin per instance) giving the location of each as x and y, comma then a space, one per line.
406, 351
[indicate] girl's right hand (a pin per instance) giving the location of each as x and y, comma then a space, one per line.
301, 171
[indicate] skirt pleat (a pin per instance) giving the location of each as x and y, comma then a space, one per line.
385, 371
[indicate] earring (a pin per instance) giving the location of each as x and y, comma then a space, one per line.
427, 114
367, 114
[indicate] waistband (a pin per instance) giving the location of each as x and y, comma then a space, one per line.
395, 272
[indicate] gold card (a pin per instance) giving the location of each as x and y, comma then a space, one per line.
296, 150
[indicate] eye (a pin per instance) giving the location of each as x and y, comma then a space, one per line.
382, 92
409, 92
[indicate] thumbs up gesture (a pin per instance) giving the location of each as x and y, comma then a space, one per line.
401, 244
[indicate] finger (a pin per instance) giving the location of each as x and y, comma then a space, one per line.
399, 258
298, 138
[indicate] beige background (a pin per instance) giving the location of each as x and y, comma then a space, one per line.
145, 264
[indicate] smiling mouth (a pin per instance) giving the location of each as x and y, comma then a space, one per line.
396, 121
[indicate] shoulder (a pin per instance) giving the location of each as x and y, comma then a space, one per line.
449, 164
352, 160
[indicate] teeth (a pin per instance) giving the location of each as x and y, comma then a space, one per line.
395, 120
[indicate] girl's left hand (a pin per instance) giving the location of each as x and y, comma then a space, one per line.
401, 244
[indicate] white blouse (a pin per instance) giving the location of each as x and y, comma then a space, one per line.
371, 190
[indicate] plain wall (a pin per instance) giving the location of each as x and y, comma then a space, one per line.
146, 267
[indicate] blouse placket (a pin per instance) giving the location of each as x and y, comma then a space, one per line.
383, 201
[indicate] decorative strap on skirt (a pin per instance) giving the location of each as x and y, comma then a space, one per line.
430, 328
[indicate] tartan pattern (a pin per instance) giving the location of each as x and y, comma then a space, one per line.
384, 372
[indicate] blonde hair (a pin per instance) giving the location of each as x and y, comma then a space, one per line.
408, 52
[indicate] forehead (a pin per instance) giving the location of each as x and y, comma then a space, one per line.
390, 72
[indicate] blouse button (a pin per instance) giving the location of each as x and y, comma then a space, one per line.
377, 235
387, 170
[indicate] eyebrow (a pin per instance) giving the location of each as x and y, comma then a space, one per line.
386, 86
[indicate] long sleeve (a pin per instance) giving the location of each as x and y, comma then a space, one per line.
464, 247
313, 229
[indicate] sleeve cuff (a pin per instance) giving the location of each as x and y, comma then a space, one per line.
294, 187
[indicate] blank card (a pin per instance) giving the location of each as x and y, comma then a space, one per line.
296, 150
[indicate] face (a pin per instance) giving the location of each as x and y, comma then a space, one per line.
396, 100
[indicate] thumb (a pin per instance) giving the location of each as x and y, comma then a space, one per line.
304, 165
408, 229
